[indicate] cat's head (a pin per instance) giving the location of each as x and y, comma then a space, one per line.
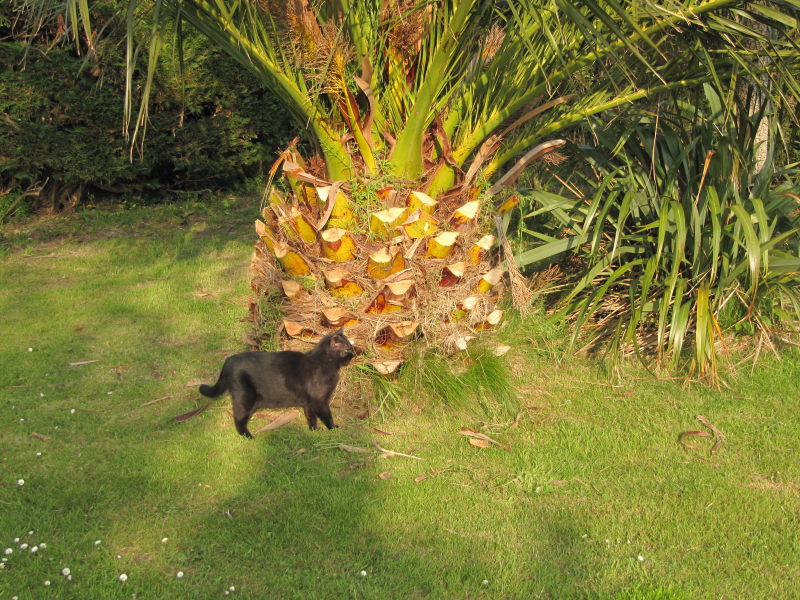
340, 346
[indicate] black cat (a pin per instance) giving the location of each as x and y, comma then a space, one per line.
280, 379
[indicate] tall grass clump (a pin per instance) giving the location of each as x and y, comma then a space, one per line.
685, 238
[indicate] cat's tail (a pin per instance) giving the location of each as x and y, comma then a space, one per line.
218, 389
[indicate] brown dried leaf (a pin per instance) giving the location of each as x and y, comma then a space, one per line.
40, 436
420, 478
479, 442
281, 420
189, 415
481, 436
386, 475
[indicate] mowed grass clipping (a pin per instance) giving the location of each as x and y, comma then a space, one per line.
595, 498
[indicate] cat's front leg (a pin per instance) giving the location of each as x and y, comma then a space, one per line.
324, 413
311, 417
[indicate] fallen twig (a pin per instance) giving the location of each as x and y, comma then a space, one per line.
156, 400
387, 453
83, 362
40, 436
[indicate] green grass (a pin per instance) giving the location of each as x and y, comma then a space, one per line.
595, 477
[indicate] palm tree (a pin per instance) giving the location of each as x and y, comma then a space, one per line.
420, 115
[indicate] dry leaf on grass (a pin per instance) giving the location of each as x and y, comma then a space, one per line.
386, 475
189, 415
481, 436
420, 478
83, 362
348, 448
40, 436
281, 420
478, 442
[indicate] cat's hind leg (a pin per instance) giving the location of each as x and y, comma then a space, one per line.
243, 399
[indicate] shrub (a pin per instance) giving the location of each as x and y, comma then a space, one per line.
61, 125
681, 238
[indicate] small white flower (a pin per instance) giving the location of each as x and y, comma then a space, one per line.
164, 540
2, 565
22, 420
4, 559
30, 349
41, 395
123, 578
585, 535
34, 549
69, 577
231, 589
65, 571
72, 411
227, 592
97, 542
640, 558
46, 583
109, 393
20, 482
363, 573
8, 551
42, 546
485, 582
16, 540
179, 574
30, 532
38, 454
23, 546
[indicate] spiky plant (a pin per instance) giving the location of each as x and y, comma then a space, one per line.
443, 104
686, 238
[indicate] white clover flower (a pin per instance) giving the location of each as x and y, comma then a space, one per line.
640, 558
97, 542
69, 577
42, 546
363, 573
22, 420
23, 546
8, 551
485, 582
179, 574
30, 349
72, 411
46, 583
123, 578
38, 454
20, 482
30, 532
232, 589
41, 395
16, 540
65, 571
34, 549
164, 540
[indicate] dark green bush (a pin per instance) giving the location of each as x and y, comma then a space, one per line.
61, 120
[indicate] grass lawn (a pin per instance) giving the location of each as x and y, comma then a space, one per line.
595, 498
